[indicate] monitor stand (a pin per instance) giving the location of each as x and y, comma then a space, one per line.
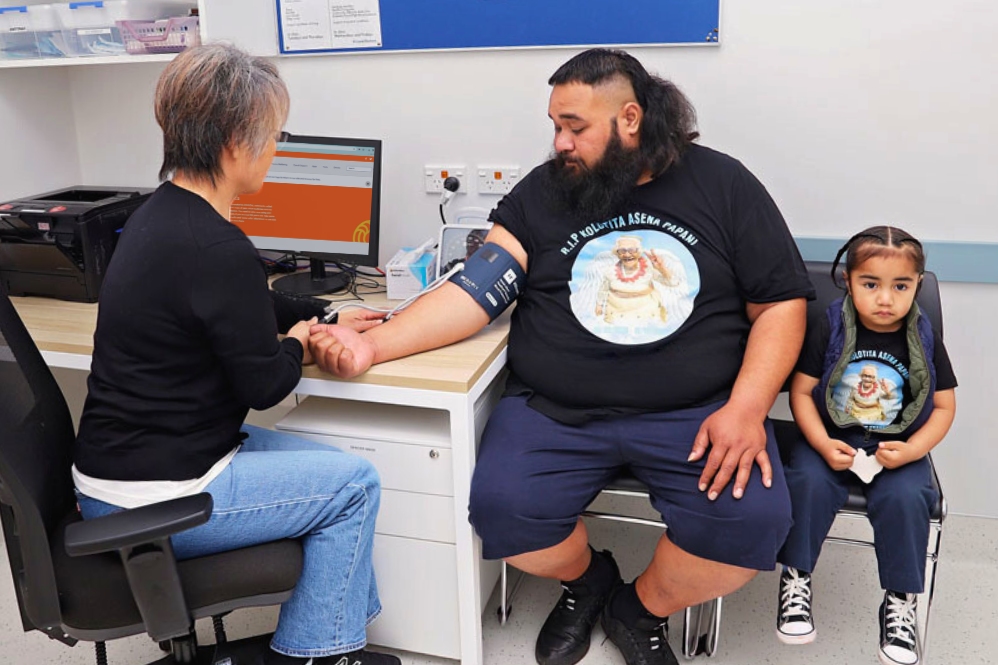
315, 282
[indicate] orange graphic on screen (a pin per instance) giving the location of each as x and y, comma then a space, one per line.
308, 212
363, 232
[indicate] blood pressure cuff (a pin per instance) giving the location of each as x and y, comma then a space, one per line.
492, 277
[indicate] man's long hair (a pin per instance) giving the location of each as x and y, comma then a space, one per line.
669, 123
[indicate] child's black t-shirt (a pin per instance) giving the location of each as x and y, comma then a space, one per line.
874, 387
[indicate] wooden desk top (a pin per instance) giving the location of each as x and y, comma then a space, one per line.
68, 327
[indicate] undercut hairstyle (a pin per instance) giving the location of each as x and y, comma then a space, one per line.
669, 122
212, 97
878, 241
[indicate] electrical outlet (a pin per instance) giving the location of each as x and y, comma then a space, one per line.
435, 174
497, 179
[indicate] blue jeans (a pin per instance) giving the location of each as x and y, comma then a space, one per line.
282, 486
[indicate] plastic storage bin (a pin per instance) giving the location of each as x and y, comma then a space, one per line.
90, 28
30, 31
164, 36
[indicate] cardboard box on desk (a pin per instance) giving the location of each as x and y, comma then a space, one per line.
407, 273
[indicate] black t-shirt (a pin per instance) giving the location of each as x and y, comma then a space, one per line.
600, 331
874, 387
186, 343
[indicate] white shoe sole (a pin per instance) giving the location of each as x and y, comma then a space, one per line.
887, 660
806, 638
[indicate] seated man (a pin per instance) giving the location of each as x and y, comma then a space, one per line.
590, 395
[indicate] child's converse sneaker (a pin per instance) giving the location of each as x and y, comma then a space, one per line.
794, 623
898, 629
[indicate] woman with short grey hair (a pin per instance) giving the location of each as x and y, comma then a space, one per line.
187, 342
212, 98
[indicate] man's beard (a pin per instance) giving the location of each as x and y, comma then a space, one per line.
597, 192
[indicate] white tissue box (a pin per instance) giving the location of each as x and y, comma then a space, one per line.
408, 274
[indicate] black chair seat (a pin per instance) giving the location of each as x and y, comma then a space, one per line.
626, 482
856, 503
210, 581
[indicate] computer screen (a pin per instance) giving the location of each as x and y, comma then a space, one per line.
322, 199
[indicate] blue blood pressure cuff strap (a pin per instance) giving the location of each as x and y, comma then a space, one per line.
492, 277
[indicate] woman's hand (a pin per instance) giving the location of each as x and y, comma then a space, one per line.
300, 331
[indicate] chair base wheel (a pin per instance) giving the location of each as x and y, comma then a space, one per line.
499, 613
239, 651
185, 649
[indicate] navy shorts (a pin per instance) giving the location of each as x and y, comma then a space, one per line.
535, 476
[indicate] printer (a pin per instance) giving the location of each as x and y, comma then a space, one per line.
58, 244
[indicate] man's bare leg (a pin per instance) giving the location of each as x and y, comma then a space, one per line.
675, 580
565, 561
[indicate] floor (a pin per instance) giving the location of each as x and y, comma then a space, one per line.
963, 628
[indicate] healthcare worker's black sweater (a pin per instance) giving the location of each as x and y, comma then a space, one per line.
186, 344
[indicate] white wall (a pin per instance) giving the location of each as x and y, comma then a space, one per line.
967, 459
119, 141
38, 149
852, 112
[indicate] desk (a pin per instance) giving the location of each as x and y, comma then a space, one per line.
462, 380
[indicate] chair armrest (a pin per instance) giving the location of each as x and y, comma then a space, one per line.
137, 526
141, 537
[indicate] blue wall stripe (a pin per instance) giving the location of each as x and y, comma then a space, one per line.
951, 261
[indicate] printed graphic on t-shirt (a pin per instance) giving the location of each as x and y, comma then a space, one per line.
871, 392
634, 287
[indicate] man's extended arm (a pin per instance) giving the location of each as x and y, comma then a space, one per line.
437, 319
735, 433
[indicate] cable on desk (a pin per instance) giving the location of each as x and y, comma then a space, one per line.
390, 312
284, 263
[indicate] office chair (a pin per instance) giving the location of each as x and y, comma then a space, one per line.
855, 507
113, 576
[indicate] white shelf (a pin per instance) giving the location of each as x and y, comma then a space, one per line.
17, 63
94, 60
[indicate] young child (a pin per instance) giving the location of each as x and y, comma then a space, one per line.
873, 379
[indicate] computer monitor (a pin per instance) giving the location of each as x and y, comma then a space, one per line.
321, 199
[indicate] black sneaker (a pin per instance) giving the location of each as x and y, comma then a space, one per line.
564, 637
359, 657
794, 623
645, 643
898, 629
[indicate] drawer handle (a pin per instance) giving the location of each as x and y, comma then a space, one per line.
434, 454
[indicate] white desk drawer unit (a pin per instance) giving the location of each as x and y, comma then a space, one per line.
414, 552
422, 516
402, 466
410, 448
418, 590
